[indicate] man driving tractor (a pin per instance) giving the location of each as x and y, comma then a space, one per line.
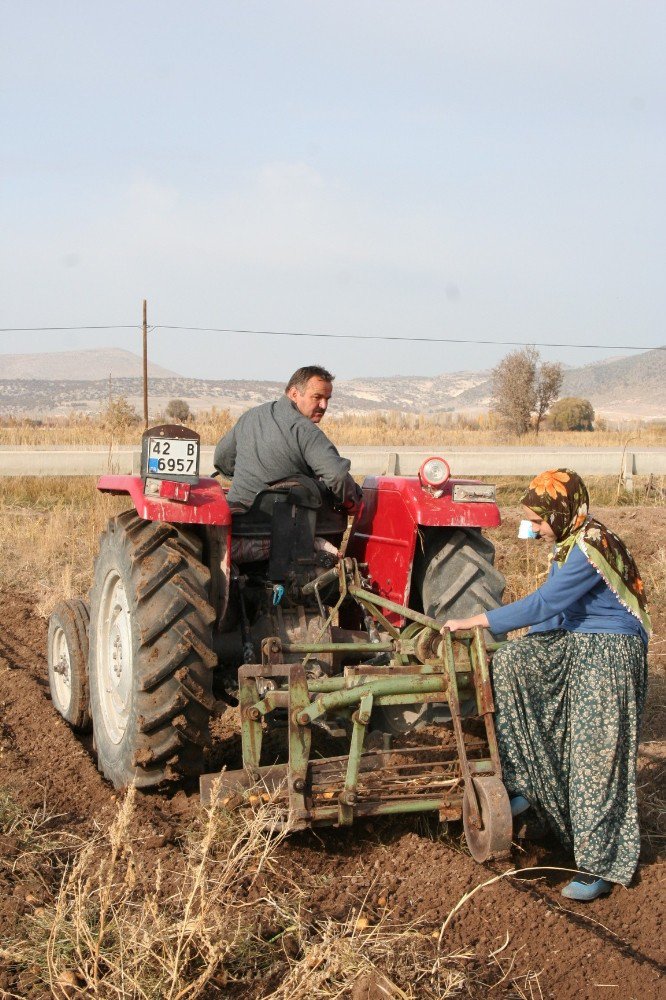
274, 441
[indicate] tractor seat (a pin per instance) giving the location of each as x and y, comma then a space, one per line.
256, 521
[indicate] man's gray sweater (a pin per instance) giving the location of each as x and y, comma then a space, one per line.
274, 441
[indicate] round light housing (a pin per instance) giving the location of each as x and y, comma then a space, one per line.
434, 472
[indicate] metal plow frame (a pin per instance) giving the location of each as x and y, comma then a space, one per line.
462, 780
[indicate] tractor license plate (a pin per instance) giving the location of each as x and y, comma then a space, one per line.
474, 493
173, 457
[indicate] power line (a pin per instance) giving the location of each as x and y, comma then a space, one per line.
50, 329
424, 340
339, 336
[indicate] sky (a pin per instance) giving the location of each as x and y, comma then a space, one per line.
424, 168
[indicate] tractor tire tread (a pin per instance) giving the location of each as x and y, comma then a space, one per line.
154, 622
195, 690
167, 565
167, 713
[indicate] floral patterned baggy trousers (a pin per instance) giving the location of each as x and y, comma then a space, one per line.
568, 711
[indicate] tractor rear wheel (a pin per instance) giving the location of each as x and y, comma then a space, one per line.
151, 659
67, 648
454, 577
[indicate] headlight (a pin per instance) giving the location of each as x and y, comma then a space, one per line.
434, 473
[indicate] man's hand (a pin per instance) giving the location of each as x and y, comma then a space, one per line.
353, 497
322, 545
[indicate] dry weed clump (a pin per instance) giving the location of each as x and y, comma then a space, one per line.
119, 928
33, 850
223, 917
380, 960
30, 842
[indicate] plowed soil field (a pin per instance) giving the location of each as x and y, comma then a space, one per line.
517, 937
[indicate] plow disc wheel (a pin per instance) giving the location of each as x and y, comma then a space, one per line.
493, 840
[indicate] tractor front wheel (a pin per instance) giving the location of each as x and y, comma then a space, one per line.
67, 648
151, 658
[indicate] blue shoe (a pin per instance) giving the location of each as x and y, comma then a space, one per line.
584, 888
519, 805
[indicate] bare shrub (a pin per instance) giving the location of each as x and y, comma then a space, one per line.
120, 415
548, 384
572, 414
178, 409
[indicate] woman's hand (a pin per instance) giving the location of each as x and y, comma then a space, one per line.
460, 624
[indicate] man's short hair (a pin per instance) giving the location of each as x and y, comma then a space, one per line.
302, 376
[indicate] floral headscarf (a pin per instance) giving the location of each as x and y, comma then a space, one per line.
560, 497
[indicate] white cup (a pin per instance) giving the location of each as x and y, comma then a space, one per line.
525, 530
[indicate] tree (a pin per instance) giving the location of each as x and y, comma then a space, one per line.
522, 387
514, 393
548, 385
177, 409
572, 414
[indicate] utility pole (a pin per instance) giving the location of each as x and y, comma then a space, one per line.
145, 363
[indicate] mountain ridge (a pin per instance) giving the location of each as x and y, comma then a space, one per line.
620, 388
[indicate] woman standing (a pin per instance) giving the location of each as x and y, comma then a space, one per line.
569, 695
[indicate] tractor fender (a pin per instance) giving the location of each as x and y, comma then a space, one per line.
395, 511
404, 502
206, 503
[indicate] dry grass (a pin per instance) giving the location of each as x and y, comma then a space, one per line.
49, 532
656, 575
449, 430
119, 930
391, 428
648, 491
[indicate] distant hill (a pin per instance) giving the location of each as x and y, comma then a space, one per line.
73, 366
636, 382
44, 384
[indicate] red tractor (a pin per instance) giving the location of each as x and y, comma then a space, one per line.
311, 621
